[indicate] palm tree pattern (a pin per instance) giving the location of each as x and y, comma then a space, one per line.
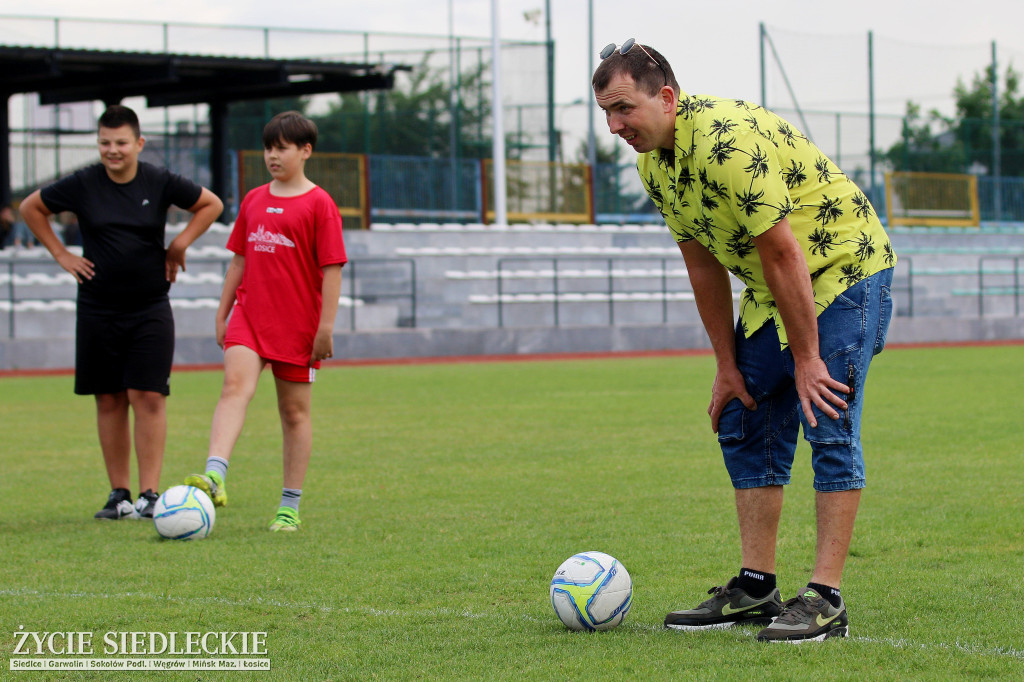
735, 171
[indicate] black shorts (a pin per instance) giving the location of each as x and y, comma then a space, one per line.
118, 350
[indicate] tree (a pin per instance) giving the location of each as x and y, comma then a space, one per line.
963, 143
927, 144
974, 124
246, 119
412, 119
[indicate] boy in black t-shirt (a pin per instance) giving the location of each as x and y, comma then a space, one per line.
124, 328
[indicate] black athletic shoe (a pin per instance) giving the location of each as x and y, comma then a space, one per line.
144, 505
118, 506
808, 617
728, 606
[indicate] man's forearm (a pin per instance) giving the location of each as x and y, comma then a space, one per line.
712, 291
789, 281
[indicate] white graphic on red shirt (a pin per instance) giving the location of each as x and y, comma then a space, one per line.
268, 241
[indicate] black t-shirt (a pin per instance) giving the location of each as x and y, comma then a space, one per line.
122, 227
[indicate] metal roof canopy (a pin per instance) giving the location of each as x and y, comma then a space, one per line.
70, 75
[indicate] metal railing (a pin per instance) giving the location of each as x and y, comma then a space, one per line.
905, 286
999, 290
358, 293
614, 275
12, 298
610, 276
362, 288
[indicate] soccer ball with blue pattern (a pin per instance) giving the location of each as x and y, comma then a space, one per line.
591, 591
184, 513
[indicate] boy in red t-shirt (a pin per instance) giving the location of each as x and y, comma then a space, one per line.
281, 293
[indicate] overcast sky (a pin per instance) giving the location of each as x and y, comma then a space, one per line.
713, 44
920, 46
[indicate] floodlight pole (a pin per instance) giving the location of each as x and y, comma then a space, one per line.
5, 160
997, 199
871, 118
550, 48
591, 140
453, 110
497, 114
764, 88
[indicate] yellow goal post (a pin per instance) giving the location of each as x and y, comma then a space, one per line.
932, 199
344, 176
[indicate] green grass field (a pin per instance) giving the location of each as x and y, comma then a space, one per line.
442, 497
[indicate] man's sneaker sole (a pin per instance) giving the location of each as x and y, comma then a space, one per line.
838, 632
725, 625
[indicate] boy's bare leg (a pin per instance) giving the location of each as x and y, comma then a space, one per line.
112, 424
293, 403
242, 367
150, 410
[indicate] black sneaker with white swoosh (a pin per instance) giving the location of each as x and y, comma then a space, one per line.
145, 505
118, 506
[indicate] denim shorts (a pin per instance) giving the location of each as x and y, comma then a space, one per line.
758, 446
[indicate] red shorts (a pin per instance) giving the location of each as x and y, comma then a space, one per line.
239, 333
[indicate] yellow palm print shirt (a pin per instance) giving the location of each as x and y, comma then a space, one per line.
737, 170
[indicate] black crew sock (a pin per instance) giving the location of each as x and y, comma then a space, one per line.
830, 593
756, 583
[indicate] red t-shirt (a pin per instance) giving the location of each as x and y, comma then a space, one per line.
285, 241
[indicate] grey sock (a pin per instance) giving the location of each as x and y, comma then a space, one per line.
290, 497
219, 466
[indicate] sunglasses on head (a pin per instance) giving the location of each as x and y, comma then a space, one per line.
610, 49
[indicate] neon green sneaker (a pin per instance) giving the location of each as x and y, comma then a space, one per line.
212, 484
287, 519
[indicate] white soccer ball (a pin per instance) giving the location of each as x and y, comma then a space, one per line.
184, 513
591, 591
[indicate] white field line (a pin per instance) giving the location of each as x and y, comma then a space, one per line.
965, 647
251, 601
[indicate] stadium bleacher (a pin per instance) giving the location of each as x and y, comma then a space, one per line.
546, 279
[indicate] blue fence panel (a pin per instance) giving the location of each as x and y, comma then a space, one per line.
417, 188
619, 196
1011, 198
